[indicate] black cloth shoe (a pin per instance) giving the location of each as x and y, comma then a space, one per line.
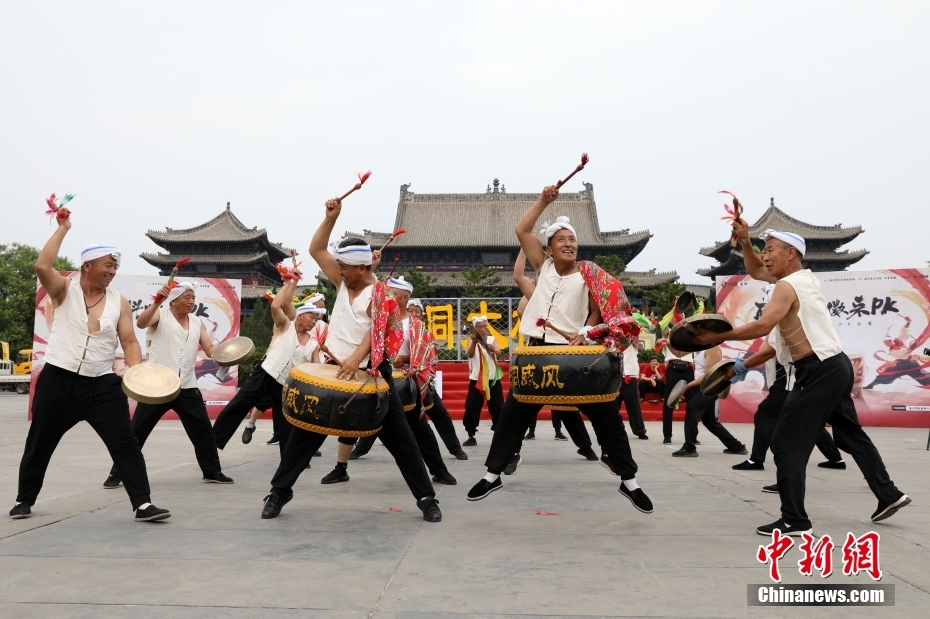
742, 451
460, 455
247, 434
638, 498
336, 475
746, 465
273, 441
829, 464
642, 437
218, 478
514, 463
588, 453
470, 442
317, 454
883, 511
785, 529
697, 442
430, 508
560, 437
483, 488
607, 464
685, 453
111, 482
273, 505
151, 514
667, 441
20, 511
355, 455
773, 489
445, 478
530, 436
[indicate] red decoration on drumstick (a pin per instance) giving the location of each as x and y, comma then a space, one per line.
733, 213
56, 207
171, 283
578, 168
362, 177
544, 322
393, 237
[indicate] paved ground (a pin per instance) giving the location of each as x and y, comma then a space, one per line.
342, 552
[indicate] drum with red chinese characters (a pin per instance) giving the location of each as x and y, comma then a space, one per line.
564, 375
315, 400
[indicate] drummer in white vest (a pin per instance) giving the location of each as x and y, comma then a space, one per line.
806, 343
77, 382
290, 345
174, 337
563, 297
349, 268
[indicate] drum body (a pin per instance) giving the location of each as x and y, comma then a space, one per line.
407, 390
315, 400
564, 375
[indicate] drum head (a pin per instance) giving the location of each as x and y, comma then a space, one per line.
325, 373
151, 383
675, 394
233, 351
680, 336
715, 379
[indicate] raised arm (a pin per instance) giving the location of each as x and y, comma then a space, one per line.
751, 261
525, 233
127, 335
783, 298
150, 315
55, 285
524, 283
289, 310
285, 295
319, 244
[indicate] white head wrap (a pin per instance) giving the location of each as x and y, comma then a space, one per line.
400, 283
178, 290
415, 302
561, 222
353, 255
478, 319
314, 299
310, 309
786, 237
92, 252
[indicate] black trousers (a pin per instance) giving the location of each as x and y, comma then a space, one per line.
423, 434
395, 434
556, 423
647, 387
822, 394
629, 395
443, 425
672, 376
766, 418
605, 419
702, 409
474, 401
573, 423
257, 386
61, 400
192, 411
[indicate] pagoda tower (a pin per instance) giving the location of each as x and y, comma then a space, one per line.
823, 243
222, 247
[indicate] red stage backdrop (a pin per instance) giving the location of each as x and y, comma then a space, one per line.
883, 320
217, 306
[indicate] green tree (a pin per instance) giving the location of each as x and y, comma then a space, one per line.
326, 288
259, 326
424, 286
18, 284
479, 281
662, 297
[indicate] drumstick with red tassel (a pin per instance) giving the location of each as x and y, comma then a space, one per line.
733, 213
174, 272
543, 322
392, 238
362, 177
578, 168
56, 207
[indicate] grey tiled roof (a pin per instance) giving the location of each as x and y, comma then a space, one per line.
225, 227
699, 290
167, 260
642, 279
488, 219
816, 261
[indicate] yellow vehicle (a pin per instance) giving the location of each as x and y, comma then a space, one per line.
23, 364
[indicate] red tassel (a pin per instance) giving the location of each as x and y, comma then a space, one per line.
181, 262
363, 176
542, 512
397, 233
395, 509
321, 339
584, 159
540, 322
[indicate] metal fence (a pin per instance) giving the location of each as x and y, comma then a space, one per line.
448, 318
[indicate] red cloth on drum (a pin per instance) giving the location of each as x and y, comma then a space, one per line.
613, 303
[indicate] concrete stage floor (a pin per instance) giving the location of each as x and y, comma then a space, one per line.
340, 551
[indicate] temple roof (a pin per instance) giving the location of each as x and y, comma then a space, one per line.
167, 260
641, 279
842, 260
488, 220
224, 228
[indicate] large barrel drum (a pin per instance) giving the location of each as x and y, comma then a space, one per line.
564, 375
315, 400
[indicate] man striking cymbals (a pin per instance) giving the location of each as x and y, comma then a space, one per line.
806, 341
569, 295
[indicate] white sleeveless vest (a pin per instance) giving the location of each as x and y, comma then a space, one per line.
814, 317
563, 300
175, 347
349, 323
285, 352
699, 363
71, 347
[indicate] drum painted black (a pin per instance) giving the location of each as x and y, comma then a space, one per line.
315, 400
564, 375
407, 389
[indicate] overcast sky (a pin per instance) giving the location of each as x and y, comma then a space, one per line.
157, 114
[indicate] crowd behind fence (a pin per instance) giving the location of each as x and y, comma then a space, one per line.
448, 318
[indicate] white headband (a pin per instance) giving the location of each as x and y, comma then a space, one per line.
786, 237
310, 309
353, 255
314, 299
178, 290
415, 302
561, 223
401, 284
478, 319
92, 252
